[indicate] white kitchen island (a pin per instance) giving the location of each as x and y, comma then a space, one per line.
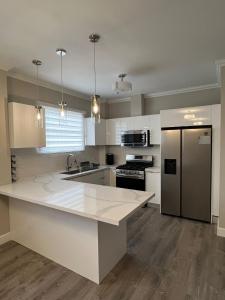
78, 225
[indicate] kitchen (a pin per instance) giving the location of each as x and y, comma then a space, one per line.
133, 175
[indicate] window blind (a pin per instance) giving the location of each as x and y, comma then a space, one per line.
63, 134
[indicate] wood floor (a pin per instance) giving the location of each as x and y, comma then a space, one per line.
168, 258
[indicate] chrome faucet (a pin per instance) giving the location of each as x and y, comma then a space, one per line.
68, 165
76, 164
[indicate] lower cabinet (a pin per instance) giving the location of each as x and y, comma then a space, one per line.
99, 177
112, 176
153, 184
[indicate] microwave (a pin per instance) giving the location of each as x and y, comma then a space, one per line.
135, 138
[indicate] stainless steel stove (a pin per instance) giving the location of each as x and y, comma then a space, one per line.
132, 174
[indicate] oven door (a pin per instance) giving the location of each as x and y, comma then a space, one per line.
130, 183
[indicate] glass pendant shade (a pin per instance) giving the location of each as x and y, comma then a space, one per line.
95, 108
62, 104
39, 116
62, 109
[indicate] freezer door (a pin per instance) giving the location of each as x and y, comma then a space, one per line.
170, 172
196, 174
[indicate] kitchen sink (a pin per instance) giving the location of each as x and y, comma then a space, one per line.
82, 169
71, 172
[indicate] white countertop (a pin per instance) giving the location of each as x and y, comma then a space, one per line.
98, 202
153, 170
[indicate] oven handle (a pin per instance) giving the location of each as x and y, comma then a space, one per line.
131, 176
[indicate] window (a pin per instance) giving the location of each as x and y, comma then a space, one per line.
63, 134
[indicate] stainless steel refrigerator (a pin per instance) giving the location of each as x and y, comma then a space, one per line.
186, 172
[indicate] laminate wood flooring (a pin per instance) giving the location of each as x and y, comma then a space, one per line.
168, 258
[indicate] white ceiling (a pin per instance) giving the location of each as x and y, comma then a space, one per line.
162, 44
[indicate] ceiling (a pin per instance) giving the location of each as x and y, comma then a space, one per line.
162, 45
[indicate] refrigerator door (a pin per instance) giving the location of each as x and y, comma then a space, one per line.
196, 174
170, 172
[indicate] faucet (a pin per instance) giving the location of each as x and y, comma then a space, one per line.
68, 165
76, 164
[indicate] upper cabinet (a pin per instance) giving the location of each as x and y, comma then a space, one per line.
114, 128
190, 116
95, 133
23, 129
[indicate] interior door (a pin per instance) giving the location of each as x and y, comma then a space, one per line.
196, 174
170, 171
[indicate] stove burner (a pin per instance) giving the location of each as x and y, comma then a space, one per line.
135, 166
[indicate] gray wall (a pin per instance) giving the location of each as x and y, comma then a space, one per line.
5, 169
118, 110
25, 92
154, 105
199, 98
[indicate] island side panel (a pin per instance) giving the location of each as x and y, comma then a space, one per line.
67, 239
112, 246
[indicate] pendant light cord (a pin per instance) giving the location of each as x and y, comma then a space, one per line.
94, 71
62, 91
37, 79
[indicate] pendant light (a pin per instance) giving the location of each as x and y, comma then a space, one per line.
39, 113
62, 104
95, 99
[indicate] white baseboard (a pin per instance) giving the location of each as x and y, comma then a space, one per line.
220, 231
5, 238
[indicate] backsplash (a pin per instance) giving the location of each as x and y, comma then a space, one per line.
120, 153
30, 163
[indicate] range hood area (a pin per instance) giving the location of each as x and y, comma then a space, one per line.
137, 105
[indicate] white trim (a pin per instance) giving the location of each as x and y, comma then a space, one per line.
220, 231
182, 91
109, 101
172, 92
5, 238
49, 85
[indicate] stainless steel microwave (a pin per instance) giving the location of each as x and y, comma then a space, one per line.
135, 138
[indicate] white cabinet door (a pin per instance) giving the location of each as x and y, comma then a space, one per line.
110, 132
94, 178
189, 116
89, 132
155, 129
95, 133
153, 184
100, 133
112, 177
114, 127
24, 131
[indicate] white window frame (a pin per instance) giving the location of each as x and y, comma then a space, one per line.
63, 149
